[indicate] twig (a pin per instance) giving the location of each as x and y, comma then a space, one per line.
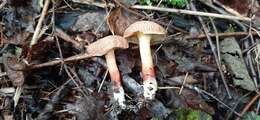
221, 35
250, 48
248, 105
237, 104
206, 31
168, 87
196, 13
184, 82
217, 38
60, 52
55, 62
66, 69
102, 82
2, 4
39, 24
205, 92
252, 68
60, 33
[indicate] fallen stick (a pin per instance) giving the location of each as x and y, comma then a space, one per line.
189, 12
39, 24
55, 62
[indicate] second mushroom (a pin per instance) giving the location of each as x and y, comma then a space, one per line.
109, 44
146, 33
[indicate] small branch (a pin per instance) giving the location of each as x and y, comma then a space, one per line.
188, 12
55, 62
39, 25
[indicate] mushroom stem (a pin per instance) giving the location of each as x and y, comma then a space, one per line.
148, 72
113, 69
118, 91
146, 56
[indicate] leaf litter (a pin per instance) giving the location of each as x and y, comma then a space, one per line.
67, 79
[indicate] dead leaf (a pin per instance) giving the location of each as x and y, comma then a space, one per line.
118, 21
91, 21
37, 50
239, 7
167, 67
89, 107
11, 64
196, 101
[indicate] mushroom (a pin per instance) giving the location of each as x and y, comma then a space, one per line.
146, 33
109, 44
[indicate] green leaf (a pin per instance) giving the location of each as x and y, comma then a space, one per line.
175, 3
18, 50
189, 114
178, 3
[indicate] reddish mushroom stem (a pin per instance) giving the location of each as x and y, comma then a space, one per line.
113, 69
148, 72
146, 56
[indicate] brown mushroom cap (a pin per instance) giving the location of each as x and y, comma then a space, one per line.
104, 45
145, 27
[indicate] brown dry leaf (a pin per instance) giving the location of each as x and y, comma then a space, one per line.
167, 67
18, 38
37, 50
11, 63
239, 7
195, 101
242, 8
89, 108
236, 7
118, 21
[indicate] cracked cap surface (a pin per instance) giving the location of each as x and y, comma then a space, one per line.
145, 27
